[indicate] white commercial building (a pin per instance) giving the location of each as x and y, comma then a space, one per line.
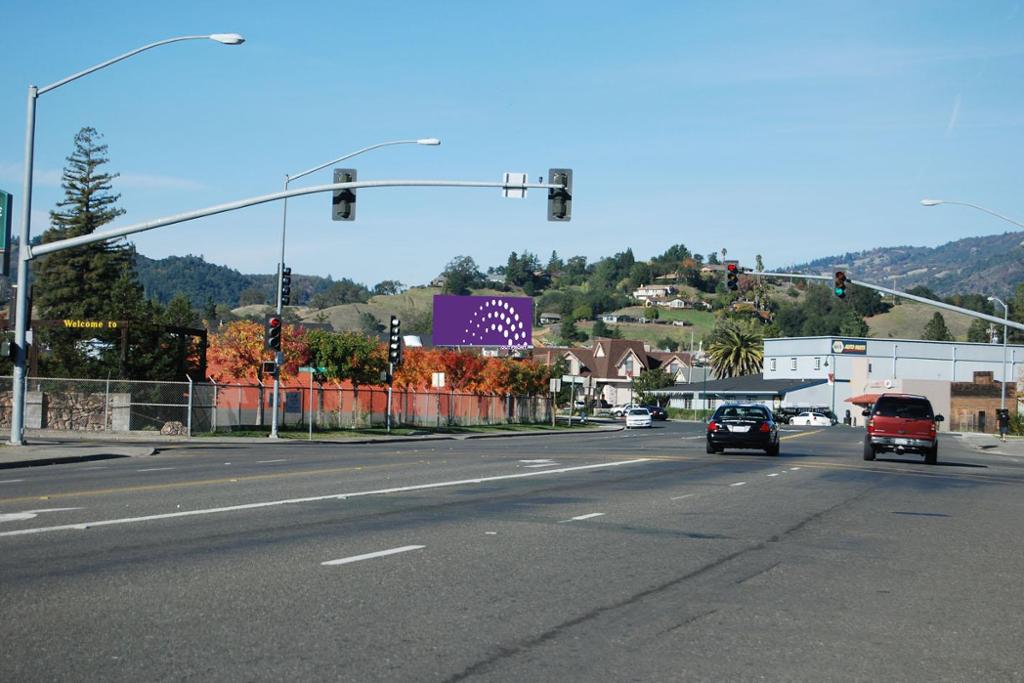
854, 367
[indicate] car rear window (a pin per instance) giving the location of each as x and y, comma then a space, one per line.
742, 413
911, 408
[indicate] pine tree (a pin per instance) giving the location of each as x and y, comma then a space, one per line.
978, 332
936, 329
92, 282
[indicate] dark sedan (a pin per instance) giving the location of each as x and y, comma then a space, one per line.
657, 412
742, 425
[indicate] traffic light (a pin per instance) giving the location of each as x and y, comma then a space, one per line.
269, 368
560, 199
272, 332
344, 201
395, 341
286, 286
732, 275
840, 284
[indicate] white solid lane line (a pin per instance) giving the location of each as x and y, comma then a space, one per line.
739, 483
589, 516
11, 481
685, 495
315, 499
370, 556
155, 469
278, 460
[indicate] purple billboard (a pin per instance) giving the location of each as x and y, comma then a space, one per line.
483, 321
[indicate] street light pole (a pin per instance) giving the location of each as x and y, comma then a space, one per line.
279, 308
1006, 315
24, 232
936, 202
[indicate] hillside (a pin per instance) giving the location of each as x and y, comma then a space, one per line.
201, 281
974, 265
907, 321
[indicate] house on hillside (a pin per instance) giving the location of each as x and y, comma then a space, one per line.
613, 363
644, 292
550, 318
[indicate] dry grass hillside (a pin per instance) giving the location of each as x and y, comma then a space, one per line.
409, 304
908, 320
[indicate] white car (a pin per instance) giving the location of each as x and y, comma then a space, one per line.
638, 417
622, 410
815, 419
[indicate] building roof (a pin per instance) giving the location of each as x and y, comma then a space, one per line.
602, 359
745, 384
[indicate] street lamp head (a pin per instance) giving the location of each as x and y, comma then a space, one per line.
428, 141
228, 38
931, 202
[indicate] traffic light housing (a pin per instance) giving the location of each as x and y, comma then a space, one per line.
560, 199
272, 329
839, 287
286, 286
395, 341
343, 205
732, 275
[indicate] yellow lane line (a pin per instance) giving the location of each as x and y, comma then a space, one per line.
195, 482
238, 479
800, 435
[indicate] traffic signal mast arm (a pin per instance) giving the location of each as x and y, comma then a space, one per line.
60, 245
904, 295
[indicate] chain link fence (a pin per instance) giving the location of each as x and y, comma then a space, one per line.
186, 408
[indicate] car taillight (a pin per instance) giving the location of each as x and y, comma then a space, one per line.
712, 426
764, 427
871, 426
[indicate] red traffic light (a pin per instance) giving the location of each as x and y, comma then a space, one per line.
731, 267
274, 322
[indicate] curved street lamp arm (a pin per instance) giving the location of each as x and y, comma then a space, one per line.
290, 178
988, 211
115, 60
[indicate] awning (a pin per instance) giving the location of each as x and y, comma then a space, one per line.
863, 399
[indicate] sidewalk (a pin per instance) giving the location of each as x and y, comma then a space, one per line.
989, 443
54, 449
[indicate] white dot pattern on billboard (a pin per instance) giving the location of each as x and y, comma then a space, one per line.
495, 322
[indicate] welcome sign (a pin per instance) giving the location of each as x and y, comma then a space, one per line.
483, 321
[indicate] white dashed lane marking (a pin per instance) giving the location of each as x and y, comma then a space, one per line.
11, 481
739, 483
582, 517
370, 556
155, 469
278, 460
775, 474
685, 495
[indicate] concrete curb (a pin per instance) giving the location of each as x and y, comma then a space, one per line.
54, 454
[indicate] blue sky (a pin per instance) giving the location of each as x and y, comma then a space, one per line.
794, 130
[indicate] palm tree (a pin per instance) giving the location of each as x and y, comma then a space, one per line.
736, 349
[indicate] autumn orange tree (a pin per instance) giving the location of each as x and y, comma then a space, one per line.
417, 367
239, 350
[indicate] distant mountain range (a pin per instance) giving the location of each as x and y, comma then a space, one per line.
993, 264
989, 265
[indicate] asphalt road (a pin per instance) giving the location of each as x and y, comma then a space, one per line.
616, 556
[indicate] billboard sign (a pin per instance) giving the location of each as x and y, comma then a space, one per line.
483, 321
